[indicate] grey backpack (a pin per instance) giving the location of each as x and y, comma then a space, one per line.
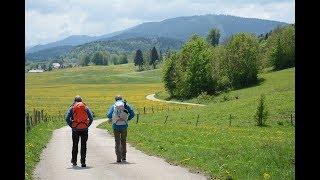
120, 115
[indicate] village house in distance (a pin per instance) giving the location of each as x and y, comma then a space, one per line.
56, 65
40, 70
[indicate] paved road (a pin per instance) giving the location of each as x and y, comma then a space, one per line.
55, 160
152, 98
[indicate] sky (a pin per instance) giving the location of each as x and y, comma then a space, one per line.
53, 20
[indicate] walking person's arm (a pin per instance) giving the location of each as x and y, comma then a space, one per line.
130, 111
90, 116
69, 116
109, 113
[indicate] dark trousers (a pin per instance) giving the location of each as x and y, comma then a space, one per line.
120, 138
75, 139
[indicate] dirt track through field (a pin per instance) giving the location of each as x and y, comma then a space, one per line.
152, 98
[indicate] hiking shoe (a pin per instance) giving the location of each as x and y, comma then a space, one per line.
118, 158
123, 157
74, 163
124, 160
83, 165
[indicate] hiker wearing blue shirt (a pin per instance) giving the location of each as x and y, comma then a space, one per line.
119, 114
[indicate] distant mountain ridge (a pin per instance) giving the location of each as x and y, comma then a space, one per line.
112, 45
179, 28
183, 27
49, 53
73, 40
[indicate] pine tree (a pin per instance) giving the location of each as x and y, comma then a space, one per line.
138, 59
213, 37
153, 57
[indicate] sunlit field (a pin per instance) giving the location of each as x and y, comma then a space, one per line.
54, 91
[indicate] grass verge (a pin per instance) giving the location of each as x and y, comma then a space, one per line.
35, 141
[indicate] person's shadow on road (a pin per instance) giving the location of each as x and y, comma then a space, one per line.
79, 168
122, 163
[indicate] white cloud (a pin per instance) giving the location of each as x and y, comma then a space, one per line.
281, 11
52, 20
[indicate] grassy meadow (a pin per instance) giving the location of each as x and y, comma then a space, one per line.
54, 91
240, 151
211, 146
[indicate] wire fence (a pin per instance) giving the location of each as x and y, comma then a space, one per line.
194, 118
188, 117
154, 109
38, 116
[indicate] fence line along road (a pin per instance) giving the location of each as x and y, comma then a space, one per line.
37, 116
152, 98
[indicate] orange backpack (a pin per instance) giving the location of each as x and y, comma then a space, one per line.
80, 116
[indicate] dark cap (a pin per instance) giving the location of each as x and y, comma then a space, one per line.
118, 97
78, 99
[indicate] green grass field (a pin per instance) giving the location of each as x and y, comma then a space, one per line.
242, 151
54, 91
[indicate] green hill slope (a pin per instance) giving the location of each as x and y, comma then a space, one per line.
242, 150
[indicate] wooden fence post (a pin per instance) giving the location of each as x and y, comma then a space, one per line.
35, 117
137, 118
25, 122
144, 110
166, 119
230, 119
28, 122
152, 109
42, 115
39, 116
197, 120
31, 121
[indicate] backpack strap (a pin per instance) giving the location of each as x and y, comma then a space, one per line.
80, 123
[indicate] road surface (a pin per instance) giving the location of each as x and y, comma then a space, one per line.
101, 160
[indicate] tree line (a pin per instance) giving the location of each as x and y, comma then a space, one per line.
103, 58
205, 66
150, 58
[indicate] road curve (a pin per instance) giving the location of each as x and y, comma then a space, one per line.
55, 160
152, 98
